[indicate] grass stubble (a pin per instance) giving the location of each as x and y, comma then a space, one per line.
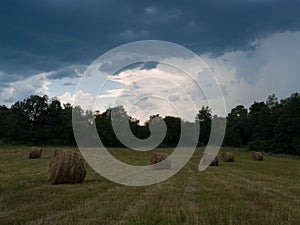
243, 192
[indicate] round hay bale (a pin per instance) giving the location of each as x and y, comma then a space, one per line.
210, 159
160, 161
215, 162
35, 152
228, 157
67, 167
258, 156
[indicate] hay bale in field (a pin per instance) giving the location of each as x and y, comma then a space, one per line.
257, 156
159, 161
67, 167
35, 152
215, 162
210, 159
228, 157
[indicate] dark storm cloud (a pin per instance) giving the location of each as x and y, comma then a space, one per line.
69, 84
148, 65
46, 35
5, 79
70, 71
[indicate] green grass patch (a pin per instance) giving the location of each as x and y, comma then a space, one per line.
243, 192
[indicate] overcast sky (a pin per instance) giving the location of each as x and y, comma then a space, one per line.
251, 46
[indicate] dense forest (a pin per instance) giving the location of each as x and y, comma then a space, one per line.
271, 126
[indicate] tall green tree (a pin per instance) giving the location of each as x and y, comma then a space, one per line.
173, 130
30, 115
237, 129
67, 135
287, 128
261, 125
204, 118
52, 123
6, 123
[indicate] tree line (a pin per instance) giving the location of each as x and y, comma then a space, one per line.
271, 126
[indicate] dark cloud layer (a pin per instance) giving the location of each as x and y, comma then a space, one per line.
70, 71
46, 35
148, 65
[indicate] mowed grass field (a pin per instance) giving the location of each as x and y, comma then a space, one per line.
243, 192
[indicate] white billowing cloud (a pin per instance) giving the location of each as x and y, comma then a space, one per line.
246, 76
113, 93
37, 84
167, 90
80, 98
66, 98
251, 76
273, 67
